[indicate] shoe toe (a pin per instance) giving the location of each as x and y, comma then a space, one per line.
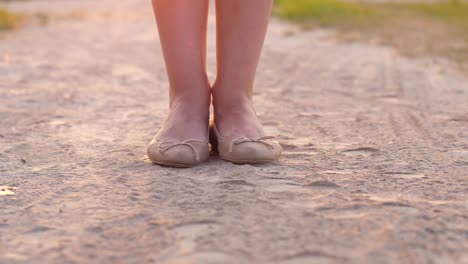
254, 152
178, 156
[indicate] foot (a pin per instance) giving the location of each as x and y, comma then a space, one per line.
188, 119
240, 136
236, 117
183, 138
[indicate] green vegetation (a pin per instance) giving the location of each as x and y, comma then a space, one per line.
332, 12
450, 11
415, 28
9, 20
324, 12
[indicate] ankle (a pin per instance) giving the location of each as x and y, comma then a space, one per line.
231, 100
193, 102
196, 94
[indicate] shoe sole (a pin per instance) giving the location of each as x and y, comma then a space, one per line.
237, 162
243, 162
173, 165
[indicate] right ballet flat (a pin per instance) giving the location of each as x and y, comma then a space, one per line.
244, 150
179, 154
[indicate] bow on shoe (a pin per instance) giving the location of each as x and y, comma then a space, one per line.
165, 146
261, 140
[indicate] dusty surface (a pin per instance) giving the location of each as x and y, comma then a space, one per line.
375, 166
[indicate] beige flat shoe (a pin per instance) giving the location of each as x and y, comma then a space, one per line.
179, 154
244, 150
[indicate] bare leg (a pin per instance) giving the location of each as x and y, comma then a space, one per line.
241, 29
182, 26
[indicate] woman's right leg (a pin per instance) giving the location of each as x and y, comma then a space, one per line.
241, 29
182, 26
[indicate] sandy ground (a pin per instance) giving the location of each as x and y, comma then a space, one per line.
375, 168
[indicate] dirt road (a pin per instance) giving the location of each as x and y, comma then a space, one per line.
375, 168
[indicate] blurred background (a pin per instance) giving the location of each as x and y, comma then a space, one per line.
414, 27
424, 27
